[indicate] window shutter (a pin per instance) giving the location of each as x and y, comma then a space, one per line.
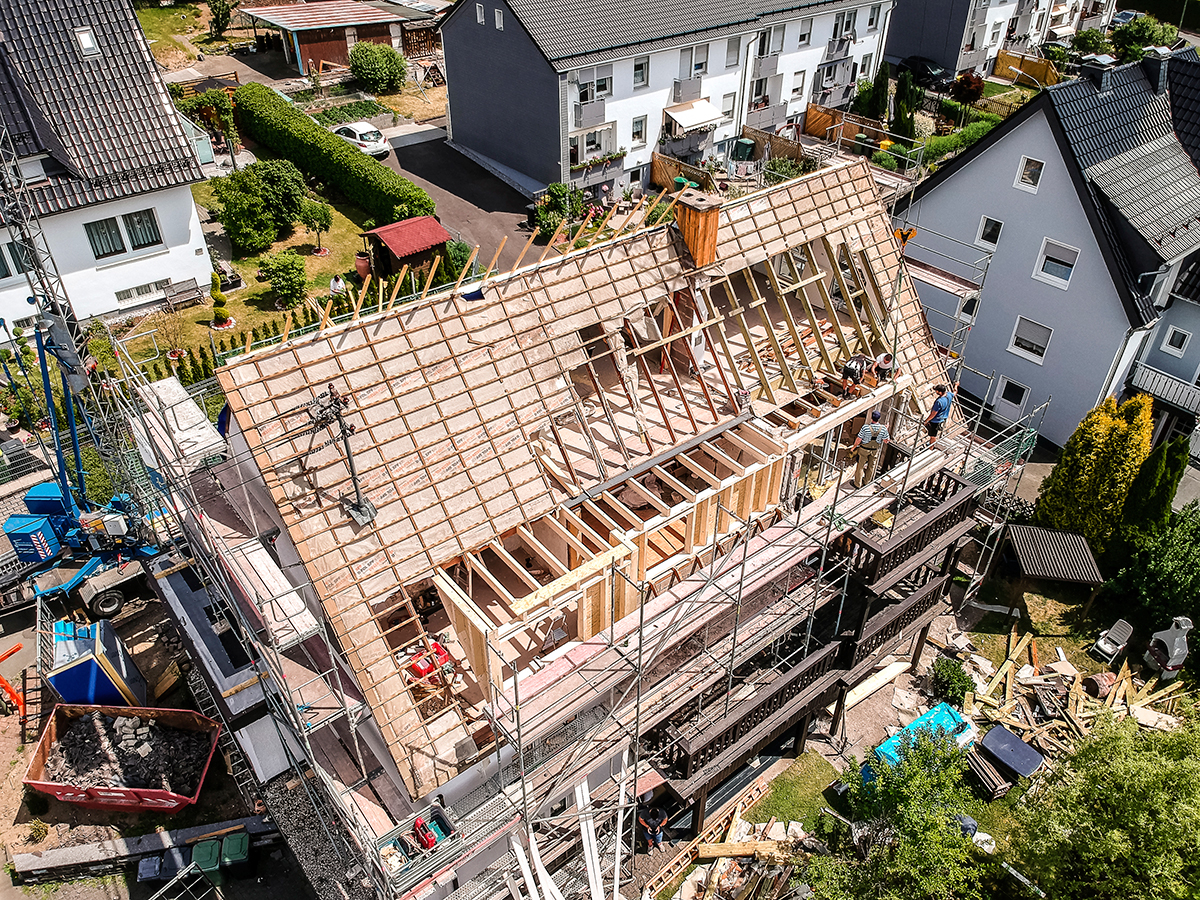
1032, 332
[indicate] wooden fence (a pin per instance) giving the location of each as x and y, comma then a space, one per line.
1028, 70
831, 124
665, 169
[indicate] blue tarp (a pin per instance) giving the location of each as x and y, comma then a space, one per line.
944, 717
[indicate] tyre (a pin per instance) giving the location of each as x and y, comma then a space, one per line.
107, 604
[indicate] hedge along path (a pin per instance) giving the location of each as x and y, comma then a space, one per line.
272, 121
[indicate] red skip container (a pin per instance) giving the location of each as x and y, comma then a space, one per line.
117, 796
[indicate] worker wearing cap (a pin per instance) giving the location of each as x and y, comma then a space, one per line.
871, 438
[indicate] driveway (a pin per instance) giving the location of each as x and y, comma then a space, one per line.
471, 201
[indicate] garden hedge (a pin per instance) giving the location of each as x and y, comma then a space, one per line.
270, 120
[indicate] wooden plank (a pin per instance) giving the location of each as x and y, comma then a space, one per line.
677, 486
648, 495
540, 552
477, 567
806, 304
698, 470
760, 305
719, 456
519, 570
561, 532
735, 848
1008, 664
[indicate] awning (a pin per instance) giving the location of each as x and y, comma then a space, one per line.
1062, 32
694, 115
1059, 8
1054, 555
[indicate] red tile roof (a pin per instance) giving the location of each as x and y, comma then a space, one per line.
412, 235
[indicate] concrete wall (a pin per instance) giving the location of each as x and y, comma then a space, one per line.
1087, 317
934, 29
502, 92
93, 284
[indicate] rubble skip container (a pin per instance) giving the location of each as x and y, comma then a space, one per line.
207, 857
235, 855
118, 796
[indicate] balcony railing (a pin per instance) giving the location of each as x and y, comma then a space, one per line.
589, 115
767, 117
1167, 388
687, 89
765, 66
872, 560
969, 59
888, 624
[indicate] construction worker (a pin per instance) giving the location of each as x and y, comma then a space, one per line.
884, 366
852, 373
940, 411
652, 824
871, 438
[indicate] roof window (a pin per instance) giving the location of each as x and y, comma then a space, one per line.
86, 39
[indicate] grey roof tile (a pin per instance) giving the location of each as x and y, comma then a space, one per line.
106, 119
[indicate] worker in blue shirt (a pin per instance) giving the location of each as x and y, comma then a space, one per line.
871, 438
940, 411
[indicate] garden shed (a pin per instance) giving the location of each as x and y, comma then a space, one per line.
413, 243
323, 33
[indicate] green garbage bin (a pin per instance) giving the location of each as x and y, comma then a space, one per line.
207, 857
743, 150
235, 855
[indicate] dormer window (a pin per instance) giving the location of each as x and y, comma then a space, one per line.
86, 39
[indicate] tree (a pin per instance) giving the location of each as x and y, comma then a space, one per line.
220, 13
378, 66
1091, 40
282, 189
879, 92
966, 88
1146, 31
219, 300
1086, 490
560, 203
951, 681
316, 217
863, 100
783, 168
286, 273
908, 98
1161, 578
259, 203
913, 845
1118, 818
1147, 509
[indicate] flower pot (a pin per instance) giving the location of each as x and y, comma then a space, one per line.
362, 264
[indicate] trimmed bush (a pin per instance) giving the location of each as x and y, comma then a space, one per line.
273, 122
951, 681
378, 66
885, 160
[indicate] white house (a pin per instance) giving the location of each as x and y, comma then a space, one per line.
103, 153
538, 95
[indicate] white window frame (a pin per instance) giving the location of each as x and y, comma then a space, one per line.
733, 52
968, 317
697, 62
728, 105
645, 63
85, 39
1025, 354
1022, 186
1000, 405
798, 82
979, 241
873, 17
1177, 352
805, 32
844, 22
1047, 278
499, 20
633, 137
480, 14
865, 67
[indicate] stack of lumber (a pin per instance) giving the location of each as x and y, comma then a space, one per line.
1052, 706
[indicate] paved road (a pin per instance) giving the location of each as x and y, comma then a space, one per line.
470, 200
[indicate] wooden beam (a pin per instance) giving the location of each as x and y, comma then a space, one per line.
847, 294
699, 471
641, 363
437, 261
466, 267
781, 298
634, 521
763, 381
519, 570
541, 552
396, 287
715, 452
760, 304
477, 567
648, 495
524, 250
585, 529
607, 521
827, 302
674, 484
582, 572
563, 534
745, 446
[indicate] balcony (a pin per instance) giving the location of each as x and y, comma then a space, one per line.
687, 89
1167, 388
765, 66
767, 117
589, 115
970, 59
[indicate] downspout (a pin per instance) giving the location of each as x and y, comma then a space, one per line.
742, 97
1112, 369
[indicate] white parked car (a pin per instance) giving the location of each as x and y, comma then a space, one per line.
365, 136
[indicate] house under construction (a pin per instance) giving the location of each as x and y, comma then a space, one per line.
512, 554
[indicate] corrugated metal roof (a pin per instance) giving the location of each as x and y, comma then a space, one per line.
327, 14
1054, 555
105, 119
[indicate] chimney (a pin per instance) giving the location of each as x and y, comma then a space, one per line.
697, 215
1098, 68
1154, 64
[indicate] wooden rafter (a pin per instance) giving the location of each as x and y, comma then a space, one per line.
802, 295
848, 294
759, 303
641, 362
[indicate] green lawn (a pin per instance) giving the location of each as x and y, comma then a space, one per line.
1054, 615
797, 794
161, 24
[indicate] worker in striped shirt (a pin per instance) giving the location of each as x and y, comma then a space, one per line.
871, 438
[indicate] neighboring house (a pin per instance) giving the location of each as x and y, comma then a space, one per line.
105, 156
967, 35
536, 94
1088, 201
316, 33
413, 244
